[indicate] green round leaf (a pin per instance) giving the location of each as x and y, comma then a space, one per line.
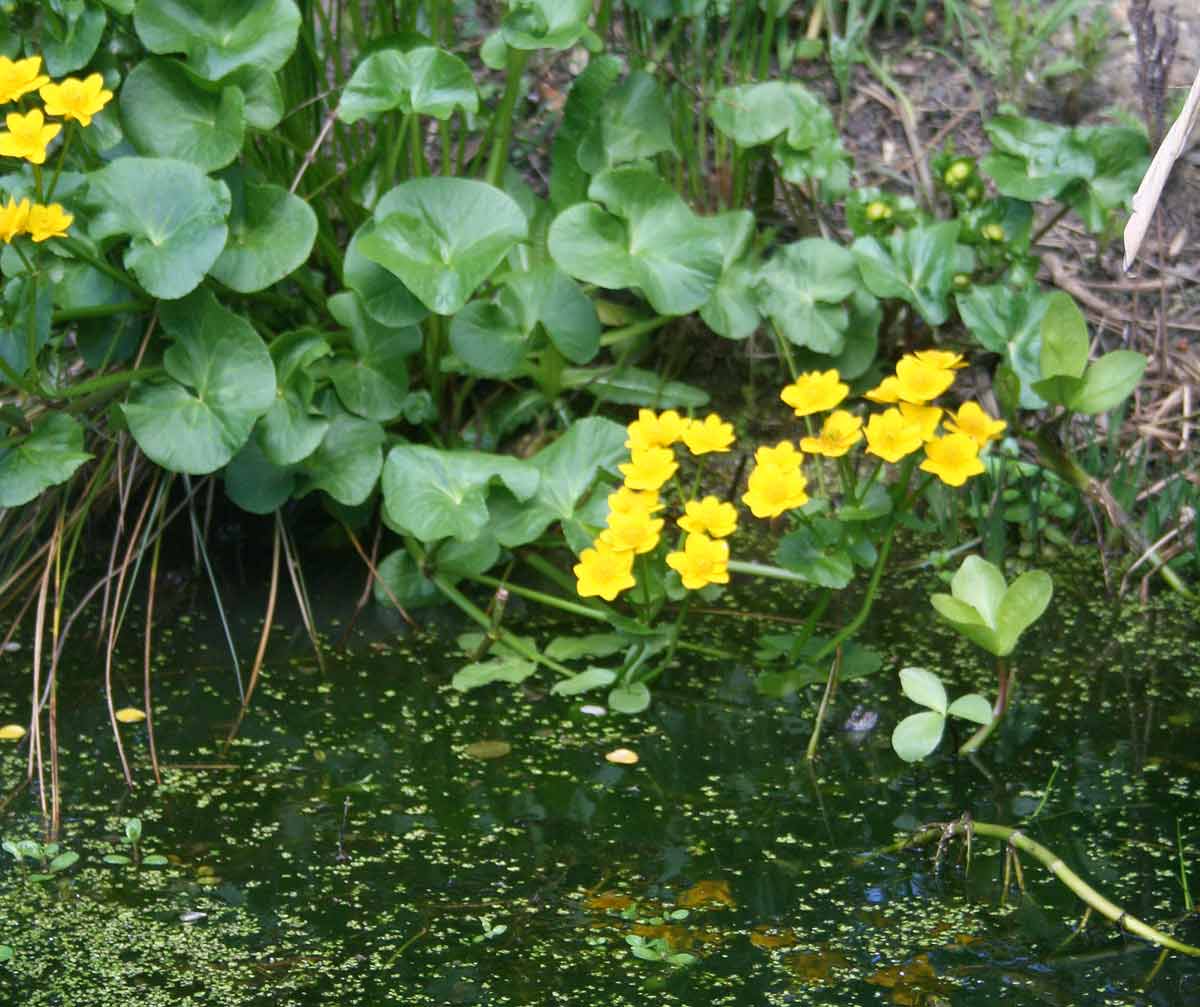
256, 484
49, 455
981, 585
271, 233
443, 237
220, 36
545, 24
293, 427
173, 214
802, 288
78, 42
223, 380
918, 735
488, 339
383, 296
634, 124
754, 114
348, 462
924, 687
166, 112
971, 707
424, 81
264, 99
371, 379
633, 698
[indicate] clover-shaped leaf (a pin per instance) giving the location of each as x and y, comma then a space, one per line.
920, 733
987, 612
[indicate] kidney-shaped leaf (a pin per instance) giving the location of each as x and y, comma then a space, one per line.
424, 80
443, 237
174, 216
372, 378
219, 36
292, 428
271, 232
754, 114
346, 464
223, 380
46, 457
436, 494
167, 113
802, 288
917, 735
383, 296
488, 339
924, 687
917, 266
545, 24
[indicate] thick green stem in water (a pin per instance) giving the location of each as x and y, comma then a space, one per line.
965, 828
1008, 681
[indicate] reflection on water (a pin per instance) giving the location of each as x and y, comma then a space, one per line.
375, 838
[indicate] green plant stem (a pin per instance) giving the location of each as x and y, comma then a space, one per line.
100, 311
541, 598
1049, 225
677, 629
1008, 682
831, 684
62, 157
80, 251
614, 336
498, 159
104, 383
765, 570
965, 828
764, 45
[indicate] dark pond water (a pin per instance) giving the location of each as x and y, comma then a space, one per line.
350, 849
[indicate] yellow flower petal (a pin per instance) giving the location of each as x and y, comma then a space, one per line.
773, 490
604, 573
953, 459
649, 468
701, 562
710, 434
919, 382
12, 732
815, 392
709, 516
891, 436
839, 433
130, 715
48, 221
28, 136
972, 420
76, 99
19, 77
14, 217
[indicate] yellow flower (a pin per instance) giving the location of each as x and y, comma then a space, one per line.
76, 99
19, 77
815, 392
783, 455
943, 360
839, 433
27, 136
649, 468
953, 459
973, 421
601, 571
926, 416
891, 435
878, 210
709, 517
12, 732
707, 435
636, 532
703, 561
772, 490
627, 501
14, 217
886, 393
656, 431
919, 382
48, 221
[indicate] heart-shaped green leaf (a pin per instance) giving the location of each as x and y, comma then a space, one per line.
1064, 337
423, 81
568, 468
293, 428
167, 112
545, 24
567, 315
346, 465
383, 296
454, 560
372, 378
917, 735
488, 339
220, 36
917, 266
571, 648
223, 380
271, 233
634, 124
443, 237
1034, 160
47, 456
73, 46
584, 107
801, 289
173, 214
925, 688
754, 114
255, 483
1008, 322
434, 494
816, 554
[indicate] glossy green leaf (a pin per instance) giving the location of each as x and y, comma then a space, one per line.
567, 315
816, 556
979, 584
1008, 322
754, 114
263, 98
435, 494
1024, 602
371, 377
971, 707
45, 457
166, 112
443, 237
222, 380
647, 238
630, 699
173, 214
571, 648
1064, 337
77, 44
802, 289
453, 560
545, 24
20, 299
567, 470
271, 233
348, 461
423, 81
917, 735
732, 310
916, 266
924, 688
488, 339
383, 296
220, 36
634, 123
292, 428
584, 106
255, 483
1108, 382
1034, 160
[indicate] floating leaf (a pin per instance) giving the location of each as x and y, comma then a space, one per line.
173, 213
166, 112
971, 707
593, 678
487, 749
47, 456
633, 698
571, 648
505, 668
924, 687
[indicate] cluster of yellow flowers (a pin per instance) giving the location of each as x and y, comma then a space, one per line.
606, 569
29, 134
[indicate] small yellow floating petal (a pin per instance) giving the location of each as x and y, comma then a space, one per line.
12, 732
622, 757
130, 715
